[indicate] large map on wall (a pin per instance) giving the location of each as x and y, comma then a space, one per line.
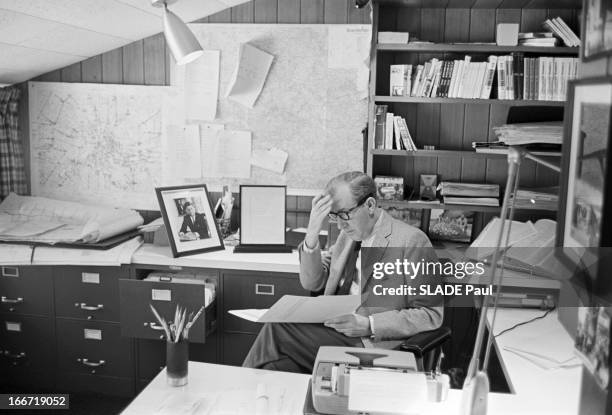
108, 144
98, 144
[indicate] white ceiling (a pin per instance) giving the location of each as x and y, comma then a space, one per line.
38, 36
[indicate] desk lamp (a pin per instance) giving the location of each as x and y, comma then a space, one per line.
181, 41
476, 385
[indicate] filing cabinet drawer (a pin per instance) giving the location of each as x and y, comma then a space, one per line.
26, 342
106, 385
26, 290
249, 290
137, 319
90, 293
152, 355
93, 347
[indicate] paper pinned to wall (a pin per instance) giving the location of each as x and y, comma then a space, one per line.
353, 53
272, 159
184, 161
226, 153
202, 76
250, 75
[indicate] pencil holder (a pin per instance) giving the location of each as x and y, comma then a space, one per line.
177, 358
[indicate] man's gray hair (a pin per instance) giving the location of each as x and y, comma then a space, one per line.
360, 184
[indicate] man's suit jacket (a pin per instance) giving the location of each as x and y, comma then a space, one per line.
395, 317
199, 225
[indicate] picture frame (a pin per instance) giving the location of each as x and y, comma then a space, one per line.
412, 216
189, 219
596, 29
585, 197
451, 225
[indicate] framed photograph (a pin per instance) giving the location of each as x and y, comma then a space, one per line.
585, 196
411, 216
592, 342
189, 219
450, 225
596, 29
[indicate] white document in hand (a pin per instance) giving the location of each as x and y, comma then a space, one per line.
296, 309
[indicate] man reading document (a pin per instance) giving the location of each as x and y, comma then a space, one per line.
381, 321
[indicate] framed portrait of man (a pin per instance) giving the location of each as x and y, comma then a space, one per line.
189, 219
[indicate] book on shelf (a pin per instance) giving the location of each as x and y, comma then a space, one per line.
541, 198
400, 80
469, 189
393, 37
389, 187
392, 131
530, 133
381, 125
499, 147
389, 131
518, 77
560, 29
476, 201
535, 35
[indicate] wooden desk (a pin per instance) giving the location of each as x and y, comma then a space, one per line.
536, 391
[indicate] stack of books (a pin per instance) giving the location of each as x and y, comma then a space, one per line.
530, 133
511, 76
562, 31
454, 79
393, 37
392, 131
545, 39
479, 194
499, 147
541, 199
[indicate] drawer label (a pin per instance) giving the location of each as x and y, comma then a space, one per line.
90, 277
92, 334
11, 326
10, 272
161, 295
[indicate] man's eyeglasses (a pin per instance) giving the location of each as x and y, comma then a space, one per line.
346, 214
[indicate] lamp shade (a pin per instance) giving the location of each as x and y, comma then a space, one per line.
181, 41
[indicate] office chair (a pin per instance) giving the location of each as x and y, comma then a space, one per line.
426, 347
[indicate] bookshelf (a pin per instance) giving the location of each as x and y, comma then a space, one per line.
510, 102
457, 28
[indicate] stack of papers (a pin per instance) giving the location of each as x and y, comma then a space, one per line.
529, 133
393, 37
486, 242
39, 219
121, 254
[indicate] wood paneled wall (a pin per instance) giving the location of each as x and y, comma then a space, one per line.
455, 126
146, 62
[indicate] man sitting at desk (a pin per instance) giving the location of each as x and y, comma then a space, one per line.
194, 224
349, 200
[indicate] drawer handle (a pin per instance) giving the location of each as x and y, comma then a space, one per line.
17, 356
154, 326
10, 272
11, 300
84, 306
86, 362
264, 289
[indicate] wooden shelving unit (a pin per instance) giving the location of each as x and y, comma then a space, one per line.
426, 100
473, 48
449, 28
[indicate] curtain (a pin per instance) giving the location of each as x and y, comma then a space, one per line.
12, 170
